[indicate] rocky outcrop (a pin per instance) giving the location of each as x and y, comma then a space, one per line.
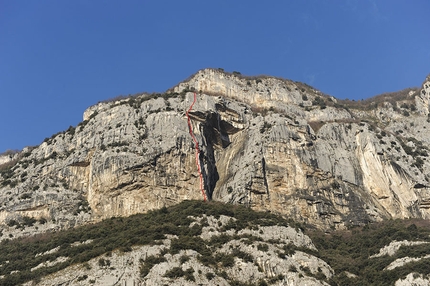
404, 260
394, 246
268, 143
254, 262
414, 279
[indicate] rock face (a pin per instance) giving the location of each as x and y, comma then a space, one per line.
267, 143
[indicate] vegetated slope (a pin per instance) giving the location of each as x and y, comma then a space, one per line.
218, 244
384, 253
193, 242
268, 143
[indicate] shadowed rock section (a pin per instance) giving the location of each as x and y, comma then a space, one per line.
214, 132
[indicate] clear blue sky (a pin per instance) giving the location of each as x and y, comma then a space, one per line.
59, 57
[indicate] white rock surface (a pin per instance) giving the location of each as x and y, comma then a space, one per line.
404, 260
394, 246
265, 142
413, 279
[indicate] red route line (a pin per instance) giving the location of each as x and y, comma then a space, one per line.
196, 143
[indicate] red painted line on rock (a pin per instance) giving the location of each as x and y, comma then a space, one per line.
196, 143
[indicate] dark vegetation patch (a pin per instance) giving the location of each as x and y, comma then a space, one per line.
373, 102
137, 99
147, 264
349, 251
177, 272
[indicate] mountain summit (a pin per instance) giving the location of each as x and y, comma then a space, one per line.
264, 142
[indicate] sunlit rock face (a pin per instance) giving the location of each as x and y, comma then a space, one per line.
268, 143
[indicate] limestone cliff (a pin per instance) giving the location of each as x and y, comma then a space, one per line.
268, 143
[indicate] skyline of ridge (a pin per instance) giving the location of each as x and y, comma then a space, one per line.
59, 58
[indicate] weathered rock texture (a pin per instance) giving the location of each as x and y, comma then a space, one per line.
259, 261
268, 143
414, 279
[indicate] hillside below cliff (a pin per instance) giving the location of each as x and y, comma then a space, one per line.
267, 143
210, 243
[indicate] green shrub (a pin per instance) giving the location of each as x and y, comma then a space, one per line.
28, 221
186, 242
104, 262
42, 220
418, 163
218, 240
175, 272
210, 276
292, 268
277, 278
289, 249
265, 127
71, 130
227, 260
148, 263
12, 223
242, 255
82, 278
189, 274
263, 247
184, 258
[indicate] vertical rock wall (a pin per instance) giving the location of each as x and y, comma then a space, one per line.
267, 143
